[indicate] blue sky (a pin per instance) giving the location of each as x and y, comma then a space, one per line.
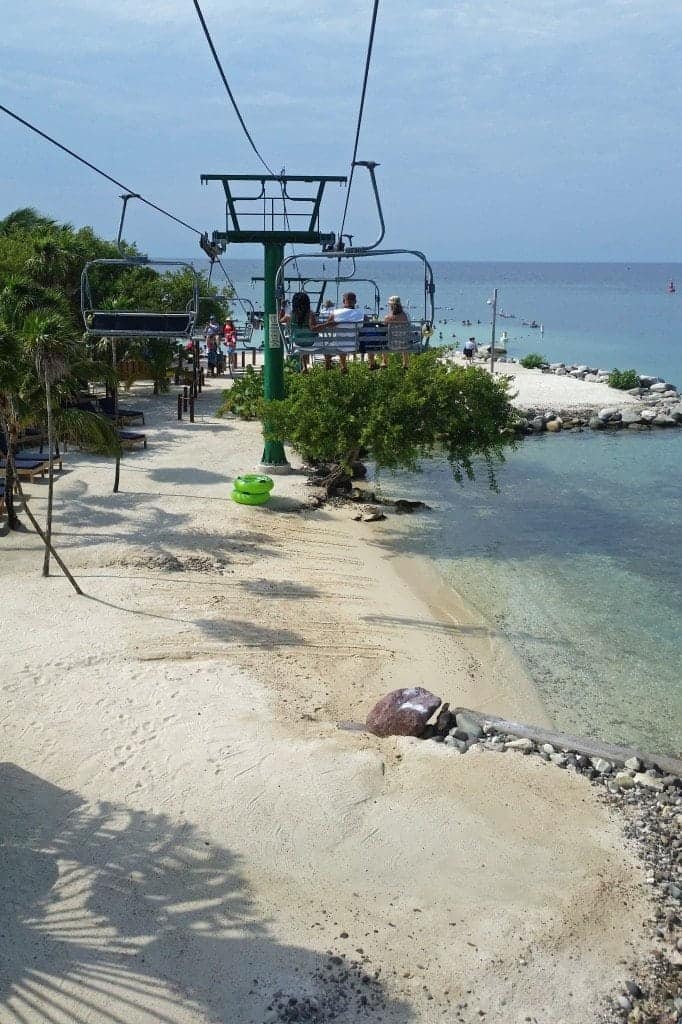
530, 130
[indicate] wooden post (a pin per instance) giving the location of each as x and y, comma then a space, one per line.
492, 342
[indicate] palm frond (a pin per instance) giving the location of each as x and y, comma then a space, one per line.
89, 430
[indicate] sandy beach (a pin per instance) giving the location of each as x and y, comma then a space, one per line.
188, 834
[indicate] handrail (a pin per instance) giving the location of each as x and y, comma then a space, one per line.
357, 253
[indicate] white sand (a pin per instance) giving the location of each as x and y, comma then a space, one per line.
185, 828
546, 390
533, 388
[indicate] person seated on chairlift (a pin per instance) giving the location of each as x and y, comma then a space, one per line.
303, 326
396, 315
346, 314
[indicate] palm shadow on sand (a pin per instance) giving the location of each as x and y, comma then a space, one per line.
118, 916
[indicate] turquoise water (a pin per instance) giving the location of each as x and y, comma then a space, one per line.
578, 560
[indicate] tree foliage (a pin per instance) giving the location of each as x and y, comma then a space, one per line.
398, 416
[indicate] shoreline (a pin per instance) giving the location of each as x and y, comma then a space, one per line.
178, 783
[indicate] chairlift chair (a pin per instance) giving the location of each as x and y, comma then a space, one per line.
124, 323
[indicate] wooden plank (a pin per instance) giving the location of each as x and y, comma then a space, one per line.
578, 744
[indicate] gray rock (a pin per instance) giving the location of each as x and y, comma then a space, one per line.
402, 712
521, 744
609, 415
459, 734
624, 780
601, 765
659, 387
648, 415
557, 366
555, 425
628, 416
582, 368
634, 764
538, 424
638, 426
676, 412
648, 781
560, 371
596, 424
664, 421
624, 1003
559, 759
646, 381
469, 724
547, 748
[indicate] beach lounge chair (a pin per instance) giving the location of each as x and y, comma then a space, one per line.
28, 469
31, 456
106, 406
130, 438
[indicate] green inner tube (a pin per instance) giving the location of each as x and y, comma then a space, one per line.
253, 483
250, 499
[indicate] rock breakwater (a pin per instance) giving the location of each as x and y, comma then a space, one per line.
654, 403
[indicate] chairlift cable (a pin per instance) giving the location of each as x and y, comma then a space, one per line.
98, 170
232, 286
233, 101
368, 61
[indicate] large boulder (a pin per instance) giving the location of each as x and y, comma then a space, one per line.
402, 712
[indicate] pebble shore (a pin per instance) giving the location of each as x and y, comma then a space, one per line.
649, 804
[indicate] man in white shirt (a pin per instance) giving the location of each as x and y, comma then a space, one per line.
347, 314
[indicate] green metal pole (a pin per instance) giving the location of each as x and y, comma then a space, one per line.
273, 383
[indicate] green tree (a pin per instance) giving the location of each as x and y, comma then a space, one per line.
396, 417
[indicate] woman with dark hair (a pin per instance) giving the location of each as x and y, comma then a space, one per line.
303, 325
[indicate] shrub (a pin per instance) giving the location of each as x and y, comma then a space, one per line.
533, 361
397, 416
245, 397
623, 379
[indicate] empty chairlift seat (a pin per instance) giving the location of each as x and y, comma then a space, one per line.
125, 323
120, 324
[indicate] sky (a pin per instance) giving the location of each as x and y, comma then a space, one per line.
532, 130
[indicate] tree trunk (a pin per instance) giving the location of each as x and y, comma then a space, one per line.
9, 430
117, 469
50, 475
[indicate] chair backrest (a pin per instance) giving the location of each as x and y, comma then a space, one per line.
403, 337
341, 339
244, 335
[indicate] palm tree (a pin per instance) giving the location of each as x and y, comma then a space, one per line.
44, 335
9, 383
25, 219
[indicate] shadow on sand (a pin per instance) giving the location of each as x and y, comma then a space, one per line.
117, 916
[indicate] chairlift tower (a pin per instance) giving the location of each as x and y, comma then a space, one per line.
262, 217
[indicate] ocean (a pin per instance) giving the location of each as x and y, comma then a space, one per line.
578, 559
